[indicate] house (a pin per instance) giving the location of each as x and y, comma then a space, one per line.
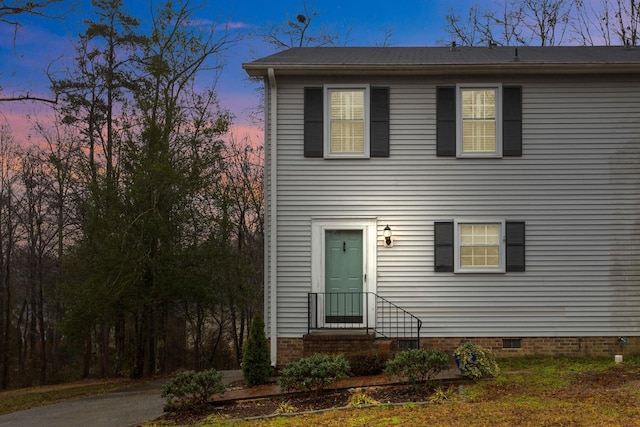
471, 193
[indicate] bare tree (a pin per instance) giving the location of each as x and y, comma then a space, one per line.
386, 38
466, 30
35, 237
298, 32
547, 20
10, 13
590, 24
627, 18
502, 25
606, 22
11, 10
508, 23
8, 225
526, 22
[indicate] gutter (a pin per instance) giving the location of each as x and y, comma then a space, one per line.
272, 109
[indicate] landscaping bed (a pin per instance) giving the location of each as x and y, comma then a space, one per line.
529, 391
305, 402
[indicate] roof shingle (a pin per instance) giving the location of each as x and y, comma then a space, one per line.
438, 57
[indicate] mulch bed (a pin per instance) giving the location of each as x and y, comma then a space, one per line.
302, 402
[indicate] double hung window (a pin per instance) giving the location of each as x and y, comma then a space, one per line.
347, 122
479, 133
463, 246
480, 247
479, 120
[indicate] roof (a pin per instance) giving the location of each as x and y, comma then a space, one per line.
457, 60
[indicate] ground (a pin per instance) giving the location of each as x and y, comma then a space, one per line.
586, 385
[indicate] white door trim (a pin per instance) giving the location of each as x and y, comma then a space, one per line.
369, 245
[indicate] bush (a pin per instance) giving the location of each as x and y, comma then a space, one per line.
369, 362
256, 364
476, 362
314, 373
190, 389
417, 365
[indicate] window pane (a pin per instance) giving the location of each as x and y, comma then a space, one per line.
478, 120
478, 103
347, 121
347, 137
347, 105
479, 136
480, 245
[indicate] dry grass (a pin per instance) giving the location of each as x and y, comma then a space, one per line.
25, 398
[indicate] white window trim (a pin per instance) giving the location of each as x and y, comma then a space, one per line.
502, 251
498, 88
369, 246
327, 122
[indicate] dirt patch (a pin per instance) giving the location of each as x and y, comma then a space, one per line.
613, 377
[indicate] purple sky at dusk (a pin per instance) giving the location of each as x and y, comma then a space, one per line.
41, 43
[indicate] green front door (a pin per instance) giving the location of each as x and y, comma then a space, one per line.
343, 276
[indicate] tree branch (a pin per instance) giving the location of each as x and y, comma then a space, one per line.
28, 97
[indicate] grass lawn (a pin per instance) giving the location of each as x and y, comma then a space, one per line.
25, 398
528, 392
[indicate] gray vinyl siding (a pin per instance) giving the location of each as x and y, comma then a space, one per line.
576, 186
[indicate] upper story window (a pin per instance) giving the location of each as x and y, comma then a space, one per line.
346, 121
478, 121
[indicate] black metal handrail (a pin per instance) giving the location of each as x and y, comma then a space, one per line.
351, 310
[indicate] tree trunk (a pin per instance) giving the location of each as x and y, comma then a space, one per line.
86, 361
105, 330
151, 343
41, 322
120, 342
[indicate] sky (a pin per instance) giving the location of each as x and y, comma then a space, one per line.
48, 43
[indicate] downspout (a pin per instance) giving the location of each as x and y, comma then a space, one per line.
273, 215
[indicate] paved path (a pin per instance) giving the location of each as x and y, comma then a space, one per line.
124, 407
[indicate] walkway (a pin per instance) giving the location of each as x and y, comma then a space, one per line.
270, 390
126, 407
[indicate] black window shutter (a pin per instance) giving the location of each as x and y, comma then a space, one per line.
515, 245
512, 121
379, 120
446, 121
313, 129
443, 246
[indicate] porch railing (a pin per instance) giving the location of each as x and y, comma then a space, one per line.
362, 310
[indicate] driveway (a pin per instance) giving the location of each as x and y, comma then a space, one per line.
126, 407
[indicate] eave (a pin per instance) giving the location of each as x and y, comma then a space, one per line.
259, 69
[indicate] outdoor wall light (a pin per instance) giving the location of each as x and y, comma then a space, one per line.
387, 236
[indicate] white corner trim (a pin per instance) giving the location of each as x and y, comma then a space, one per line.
273, 216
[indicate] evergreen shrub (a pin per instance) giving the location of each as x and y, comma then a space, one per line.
314, 373
417, 365
191, 389
256, 363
